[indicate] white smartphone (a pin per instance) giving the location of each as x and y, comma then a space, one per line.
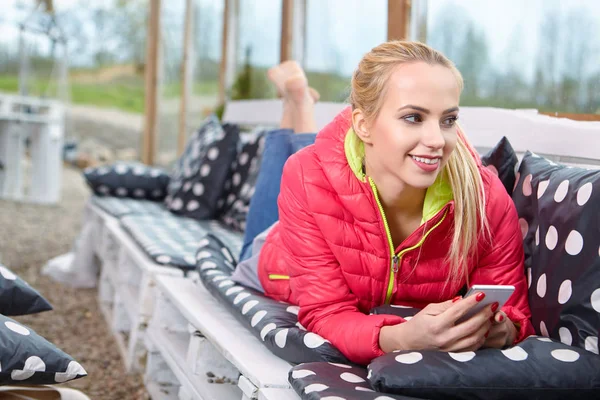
493, 294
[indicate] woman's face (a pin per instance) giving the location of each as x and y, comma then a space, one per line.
415, 132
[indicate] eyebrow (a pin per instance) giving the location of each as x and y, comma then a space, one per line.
426, 111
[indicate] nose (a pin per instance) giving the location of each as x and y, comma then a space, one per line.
433, 137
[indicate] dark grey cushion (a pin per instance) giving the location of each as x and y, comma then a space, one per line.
28, 359
199, 175
17, 297
502, 160
334, 381
128, 179
119, 207
537, 368
172, 240
239, 186
559, 212
274, 323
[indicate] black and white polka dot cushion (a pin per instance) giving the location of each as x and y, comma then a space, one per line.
26, 358
172, 240
537, 368
559, 210
335, 381
239, 186
17, 297
200, 173
128, 180
274, 323
119, 207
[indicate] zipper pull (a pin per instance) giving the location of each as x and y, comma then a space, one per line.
395, 262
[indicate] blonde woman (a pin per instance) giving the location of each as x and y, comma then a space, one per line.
391, 205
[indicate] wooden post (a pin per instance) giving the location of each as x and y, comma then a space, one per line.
151, 95
228, 47
186, 75
287, 34
398, 18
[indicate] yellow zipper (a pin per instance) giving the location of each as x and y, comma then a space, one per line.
275, 277
395, 258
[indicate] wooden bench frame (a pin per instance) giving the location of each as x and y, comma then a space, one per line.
174, 330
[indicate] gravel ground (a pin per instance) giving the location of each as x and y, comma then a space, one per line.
29, 236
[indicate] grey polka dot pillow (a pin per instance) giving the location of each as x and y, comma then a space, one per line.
335, 381
537, 368
198, 177
128, 180
559, 211
239, 186
274, 323
26, 358
17, 297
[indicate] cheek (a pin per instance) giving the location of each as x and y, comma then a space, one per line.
451, 139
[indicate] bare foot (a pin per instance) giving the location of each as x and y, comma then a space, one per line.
280, 73
300, 103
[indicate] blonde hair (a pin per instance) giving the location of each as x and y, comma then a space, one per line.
369, 84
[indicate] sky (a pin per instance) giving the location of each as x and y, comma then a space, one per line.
339, 32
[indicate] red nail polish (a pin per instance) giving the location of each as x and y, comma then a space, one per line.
480, 296
500, 318
457, 298
487, 334
495, 307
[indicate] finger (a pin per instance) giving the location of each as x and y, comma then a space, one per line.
471, 342
496, 337
437, 308
500, 317
476, 326
462, 307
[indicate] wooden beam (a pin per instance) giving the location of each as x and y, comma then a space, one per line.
287, 30
398, 19
186, 76
151, 94
576, 117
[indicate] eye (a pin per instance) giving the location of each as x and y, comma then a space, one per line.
413, 118
450, 121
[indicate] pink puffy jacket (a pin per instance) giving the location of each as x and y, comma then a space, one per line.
331, 254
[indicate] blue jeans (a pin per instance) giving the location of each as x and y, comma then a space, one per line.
263, 211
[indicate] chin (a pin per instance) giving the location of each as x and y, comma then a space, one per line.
423, 182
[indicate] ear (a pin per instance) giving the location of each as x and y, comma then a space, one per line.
361, 126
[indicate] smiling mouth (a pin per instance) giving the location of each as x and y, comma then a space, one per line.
430, 161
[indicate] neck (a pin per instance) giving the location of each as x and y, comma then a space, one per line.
396, 197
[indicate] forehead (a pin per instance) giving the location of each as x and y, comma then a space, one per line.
431, 86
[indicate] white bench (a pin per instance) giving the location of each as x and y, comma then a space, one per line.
174, 330
196, 336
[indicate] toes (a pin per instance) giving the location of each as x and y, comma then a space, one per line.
314, 94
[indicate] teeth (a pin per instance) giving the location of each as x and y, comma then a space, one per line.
426, 160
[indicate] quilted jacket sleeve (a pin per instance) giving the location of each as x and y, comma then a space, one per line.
327, 306
501, 263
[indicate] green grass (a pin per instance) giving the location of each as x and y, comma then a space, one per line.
125, 95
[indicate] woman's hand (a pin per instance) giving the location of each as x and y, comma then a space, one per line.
502, 333
435, 328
